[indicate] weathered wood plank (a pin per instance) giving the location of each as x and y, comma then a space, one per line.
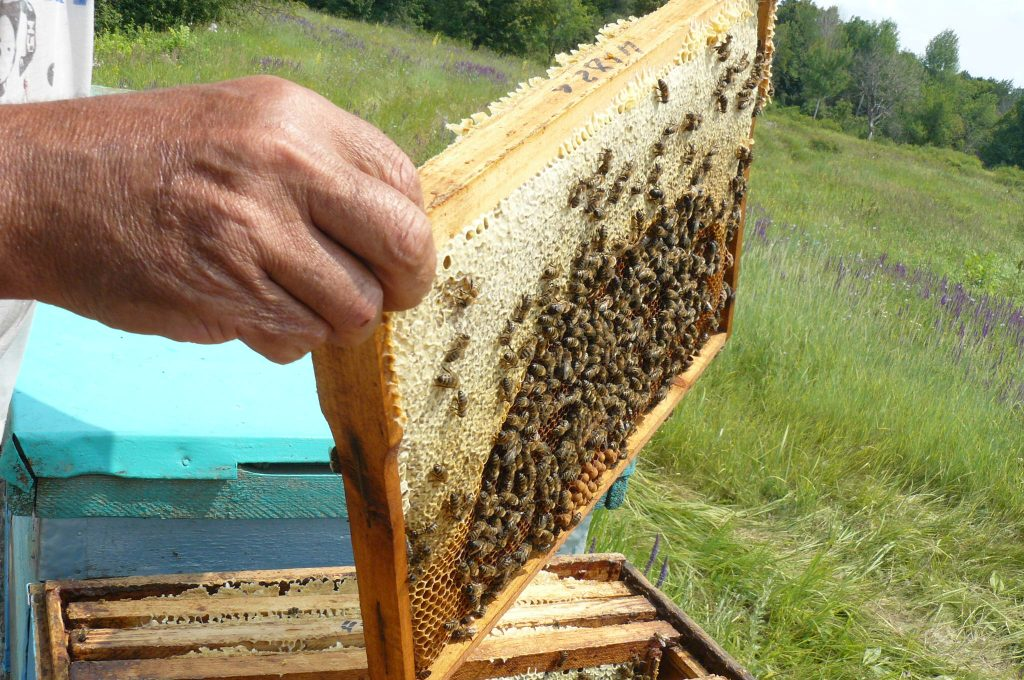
168, 641
136, 587
580, 613
360, 409
56, 633
594, 566
568, 590
125, 613
41, 629
691, 636
502, 655
678, 664
339, 665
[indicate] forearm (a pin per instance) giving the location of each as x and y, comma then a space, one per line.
20, 156
251, 209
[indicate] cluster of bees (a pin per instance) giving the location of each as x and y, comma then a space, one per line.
611, 333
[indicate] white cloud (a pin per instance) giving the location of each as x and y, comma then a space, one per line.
990, 31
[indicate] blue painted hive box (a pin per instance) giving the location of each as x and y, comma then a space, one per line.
133, 455
93, 400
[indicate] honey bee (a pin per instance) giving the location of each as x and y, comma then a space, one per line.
670, 130
724, 48
606, 162
520, 556
439, 473
659, 149
690, 155
460, 404
708, 162
576, 195
655, 174
722, 101
473, 592
594, 206
507, 359
505, 337
519, 315
743, 99
460, 291
507, 389
663, 91
692, 122
457, 349
656, 193
446, 379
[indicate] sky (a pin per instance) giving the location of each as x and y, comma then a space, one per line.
991, 31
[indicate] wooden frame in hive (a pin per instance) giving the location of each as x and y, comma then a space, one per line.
589, 231
586, 617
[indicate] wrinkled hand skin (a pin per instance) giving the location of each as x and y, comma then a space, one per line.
250, 209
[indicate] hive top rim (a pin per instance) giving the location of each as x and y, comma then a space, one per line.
147, 407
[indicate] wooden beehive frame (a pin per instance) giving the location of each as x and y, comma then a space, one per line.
102, 626
354, 383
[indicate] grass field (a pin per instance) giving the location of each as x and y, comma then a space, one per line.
842, 495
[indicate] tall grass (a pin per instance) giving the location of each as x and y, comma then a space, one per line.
408, 83
842, 495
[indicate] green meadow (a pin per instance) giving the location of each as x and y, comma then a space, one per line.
842, 494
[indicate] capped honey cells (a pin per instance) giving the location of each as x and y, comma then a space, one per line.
562, 316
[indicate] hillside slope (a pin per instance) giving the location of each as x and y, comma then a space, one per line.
842, 496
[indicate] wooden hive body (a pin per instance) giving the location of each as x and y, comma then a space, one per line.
591, 617
589, 231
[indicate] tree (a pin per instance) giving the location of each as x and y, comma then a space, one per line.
885, 78
825, 73
797, 30
556, 24
1007, 144
942, 56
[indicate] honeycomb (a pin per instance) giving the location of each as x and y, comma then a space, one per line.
560, 318
613, 671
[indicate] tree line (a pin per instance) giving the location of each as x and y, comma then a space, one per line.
530, 28
853, 74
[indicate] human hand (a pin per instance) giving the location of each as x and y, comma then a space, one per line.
250, 209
